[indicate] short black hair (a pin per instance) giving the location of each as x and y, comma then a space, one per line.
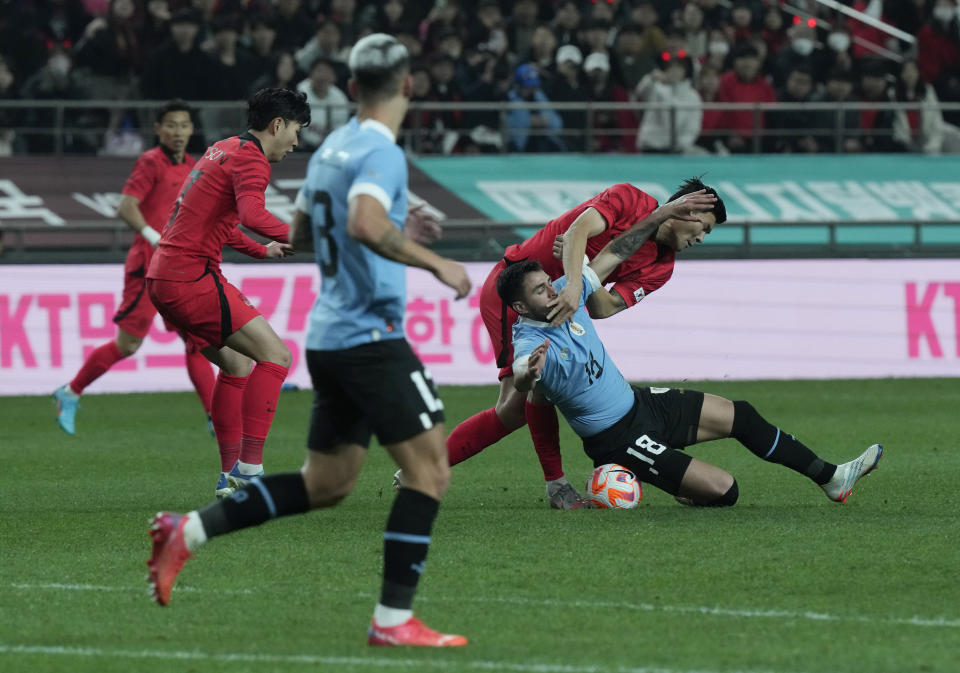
175, 105
691, 185
510, 280
267, 104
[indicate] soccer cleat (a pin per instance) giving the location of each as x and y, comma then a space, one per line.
237, 480
398, 479
413, 633
224, 489
67, 404
168, 556
213, 433
564, 496
840, 486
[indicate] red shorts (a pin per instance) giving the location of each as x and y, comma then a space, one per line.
205, 311
498, 319
136, 312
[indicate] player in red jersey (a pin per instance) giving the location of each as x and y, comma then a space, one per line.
689, 216
148, 195
226, 187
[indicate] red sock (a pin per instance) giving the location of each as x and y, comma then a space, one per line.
201, 375
258, 407
474, 435
227, 421
98, 362
545, 431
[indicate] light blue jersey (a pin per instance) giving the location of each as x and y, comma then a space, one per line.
578, 377
362, 295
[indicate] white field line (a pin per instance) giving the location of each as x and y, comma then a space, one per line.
341, 662
934, 622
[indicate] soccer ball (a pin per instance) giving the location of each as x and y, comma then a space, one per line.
613, 486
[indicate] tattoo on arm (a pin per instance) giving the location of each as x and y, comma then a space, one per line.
390, 244
627, 244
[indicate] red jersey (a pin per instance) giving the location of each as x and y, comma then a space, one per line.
622, 206
225, 187
155, 181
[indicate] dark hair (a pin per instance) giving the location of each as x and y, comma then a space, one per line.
175, 105
510, 280
691, 185
745, 50
802, 68
329, 62
267, 104
378, 78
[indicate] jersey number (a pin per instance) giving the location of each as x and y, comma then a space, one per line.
649, 446
593, 368
328, 245
194, 176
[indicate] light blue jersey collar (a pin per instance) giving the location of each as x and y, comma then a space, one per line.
379, 127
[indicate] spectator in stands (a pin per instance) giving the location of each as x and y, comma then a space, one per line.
797, 135
838, 88
283, 74
343, 12
486, 32
876, 124
566, 22
743, 84
532, 130
179, 69
837, 56
109, 55
233, 69
708, 85
907, 15
670, 130
691, 23
614, 131
328, 104
294, 25
391, 16
595, 37
742, 21
522, 24
634, 51
10, 142
326, 43
920, 129
718, 50
715, 14
543, 47
494, 81
802, 49
55, 81
447, 124
444, 16
569, 87
263, 34
774, 30
938, 51
155, 27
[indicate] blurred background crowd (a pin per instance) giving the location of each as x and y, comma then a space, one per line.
677, 56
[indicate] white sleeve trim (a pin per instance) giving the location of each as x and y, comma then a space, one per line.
370, 189
591, 277
300, 203
520, 367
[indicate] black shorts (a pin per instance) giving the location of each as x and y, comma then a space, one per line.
647, 439
378, 388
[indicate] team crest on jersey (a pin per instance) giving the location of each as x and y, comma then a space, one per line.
639, 294
577, 329
564, 353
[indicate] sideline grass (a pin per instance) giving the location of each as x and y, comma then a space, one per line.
785, 582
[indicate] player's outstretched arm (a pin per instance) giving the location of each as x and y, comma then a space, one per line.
129, 212
588, 224
528, 368
423, 221
368, 223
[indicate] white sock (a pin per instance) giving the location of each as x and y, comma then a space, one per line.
387, 617
68, 391
248, 469
193, 533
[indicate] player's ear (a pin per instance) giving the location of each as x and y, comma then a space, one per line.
519, 308
277, 125
352, 89
407, 87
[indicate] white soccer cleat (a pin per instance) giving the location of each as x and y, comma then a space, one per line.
561, 495
840, 486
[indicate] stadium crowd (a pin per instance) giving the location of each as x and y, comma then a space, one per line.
669, 52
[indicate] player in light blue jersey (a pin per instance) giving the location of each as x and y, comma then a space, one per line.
367, 380
643, 428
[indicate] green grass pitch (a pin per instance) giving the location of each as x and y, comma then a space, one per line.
784, 582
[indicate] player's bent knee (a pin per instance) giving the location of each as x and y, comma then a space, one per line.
729, 498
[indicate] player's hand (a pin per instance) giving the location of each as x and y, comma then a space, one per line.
452, 274
538, 358
558, 246
687, 207
422, 225
276, 250
565, 305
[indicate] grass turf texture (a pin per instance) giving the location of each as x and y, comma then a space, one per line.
785, 581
